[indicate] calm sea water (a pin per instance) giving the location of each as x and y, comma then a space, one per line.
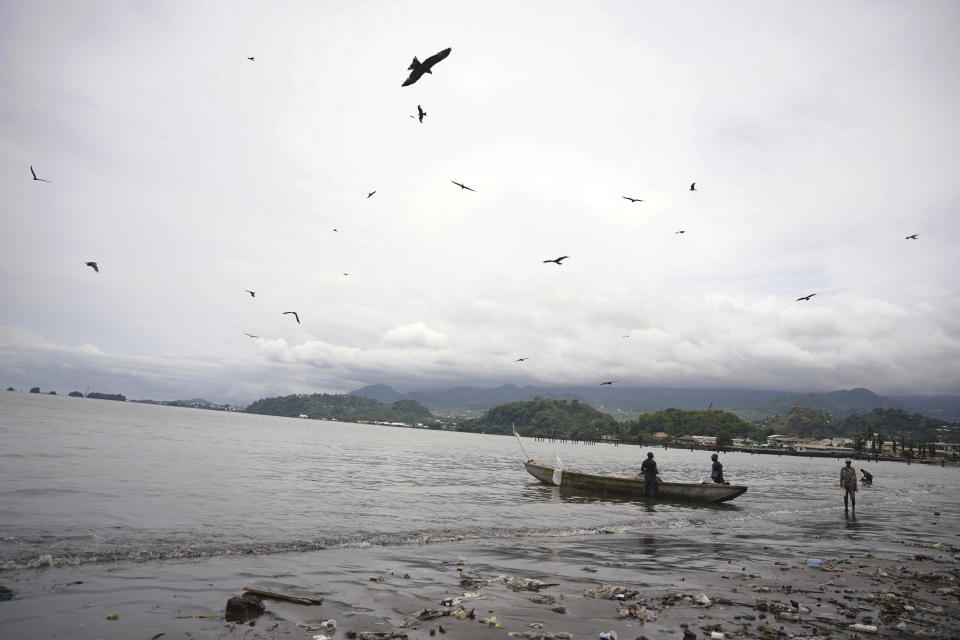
93, 480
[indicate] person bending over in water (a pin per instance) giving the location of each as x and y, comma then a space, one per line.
867, 476
716, 473
649, 471
848, 482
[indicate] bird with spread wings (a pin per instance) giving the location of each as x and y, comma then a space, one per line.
417, 68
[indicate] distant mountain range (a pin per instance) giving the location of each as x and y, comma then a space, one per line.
628, 402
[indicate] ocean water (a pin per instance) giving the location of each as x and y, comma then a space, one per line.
89, 481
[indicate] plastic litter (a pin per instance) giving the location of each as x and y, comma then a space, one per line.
866, 628
702, 600
329, 625
813, 562
608, 635
716, 635
320, 636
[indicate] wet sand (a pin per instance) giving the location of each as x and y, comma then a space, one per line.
373, 592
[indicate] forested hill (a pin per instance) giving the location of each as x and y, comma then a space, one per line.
543, 416
323, 406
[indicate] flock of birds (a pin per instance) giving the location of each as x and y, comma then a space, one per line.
417, 70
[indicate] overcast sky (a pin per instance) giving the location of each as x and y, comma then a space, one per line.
819, 134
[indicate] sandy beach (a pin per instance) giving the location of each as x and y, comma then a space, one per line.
485, 591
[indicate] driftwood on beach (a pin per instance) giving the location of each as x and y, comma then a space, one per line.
282, 596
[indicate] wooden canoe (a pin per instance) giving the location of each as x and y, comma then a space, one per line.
633, 485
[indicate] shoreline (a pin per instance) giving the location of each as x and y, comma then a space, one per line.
906, 592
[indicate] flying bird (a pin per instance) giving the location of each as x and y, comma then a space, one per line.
521, 359
805, 297
463, 186
913, 237
627, 336
418, 68
250, 334
294, 315
681, 231
345, 273
253, 294
34, 174
608, 382
250, 58
631, 199
421, 113
93, 265
693, 186
557, 260
371, 193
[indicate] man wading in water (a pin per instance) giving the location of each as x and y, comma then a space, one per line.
649, 471
848, 482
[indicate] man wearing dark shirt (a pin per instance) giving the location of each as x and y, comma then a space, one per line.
649, 471
716, 474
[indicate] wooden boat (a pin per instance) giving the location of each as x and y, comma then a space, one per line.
632, 485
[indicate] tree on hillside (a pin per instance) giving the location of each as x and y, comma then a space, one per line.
35, 390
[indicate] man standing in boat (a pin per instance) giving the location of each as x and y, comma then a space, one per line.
649, 471
848, 482
716, 473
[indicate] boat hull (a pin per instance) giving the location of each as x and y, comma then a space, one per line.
633, 485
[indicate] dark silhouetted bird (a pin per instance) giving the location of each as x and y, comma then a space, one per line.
913, 237
521, 359
693, 186
421, 114
253, 294
418, 68
608, 382
34, 174
463, 186
93, 265
370, 194
631, 199
681, 231
250, 334
345, 273
250, 58
805, 297
295, 315
627, 336
557, 260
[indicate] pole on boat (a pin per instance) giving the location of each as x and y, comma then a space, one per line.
527, 458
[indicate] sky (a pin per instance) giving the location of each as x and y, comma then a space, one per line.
819, 135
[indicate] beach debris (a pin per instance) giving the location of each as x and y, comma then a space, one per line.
702, 601
113, 616
162, 633
608, 591
530, 635
637, 611
376, 635
561, 610
425, 614
377, 579
329, 625
813, 562
321, 636
516, 583
536, 625
589, 569
546, 598
5, 593
283, 596
462, 614
866, 628
244, 608
451, 602
608, 635
770, 625
716, 635
490, 620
